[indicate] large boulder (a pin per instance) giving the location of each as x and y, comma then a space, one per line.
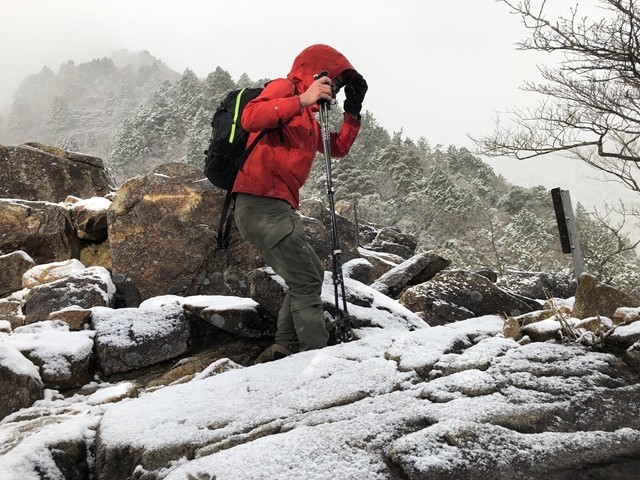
96, 254
162, 232
50, 272
382, 262
457, 295
40, 172
64, 357
91, 287
626, 334
42, 230
594, 298
90, 217
448, 402
418, 269
540, 285
13, 266
391, 240
11, 311
74, 317
317, 223
132, 338
359, 269
243, 317
20, 382
267, 289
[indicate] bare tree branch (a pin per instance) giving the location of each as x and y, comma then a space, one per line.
589, 104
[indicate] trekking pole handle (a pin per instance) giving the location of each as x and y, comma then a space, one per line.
324, 73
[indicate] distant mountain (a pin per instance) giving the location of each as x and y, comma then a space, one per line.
78, 106
142, 59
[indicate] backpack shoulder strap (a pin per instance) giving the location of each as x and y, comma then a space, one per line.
226, 219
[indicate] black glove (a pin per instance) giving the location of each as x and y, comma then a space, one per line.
355, 92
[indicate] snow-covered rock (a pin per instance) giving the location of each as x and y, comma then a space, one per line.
50, 272
20, 380
240, 316
132, 338
415, 270
64, 357
90, 218
13, 265
89, 287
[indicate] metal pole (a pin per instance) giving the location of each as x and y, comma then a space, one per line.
343, 326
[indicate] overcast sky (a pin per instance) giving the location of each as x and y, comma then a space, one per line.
441, 69
436, 68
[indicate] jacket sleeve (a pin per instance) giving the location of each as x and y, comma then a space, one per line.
341, 141
277, 103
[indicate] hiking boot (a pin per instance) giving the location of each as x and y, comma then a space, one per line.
274, 352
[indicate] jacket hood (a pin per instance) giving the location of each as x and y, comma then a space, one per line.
312, 60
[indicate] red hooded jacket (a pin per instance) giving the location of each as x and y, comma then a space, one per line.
276, 168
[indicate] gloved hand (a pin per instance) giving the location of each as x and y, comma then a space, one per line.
355, 92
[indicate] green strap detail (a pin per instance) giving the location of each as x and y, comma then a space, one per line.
235, 115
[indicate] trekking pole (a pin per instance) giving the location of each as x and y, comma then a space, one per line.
343, 324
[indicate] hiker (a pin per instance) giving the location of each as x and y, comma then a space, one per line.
268, 186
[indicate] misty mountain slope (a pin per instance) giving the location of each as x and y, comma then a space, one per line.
79, 105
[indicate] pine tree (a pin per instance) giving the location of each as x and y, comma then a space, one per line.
67, 143
130, 145
449, 195
120, 101
189, 96
245, 81
164, 125
197, 139
20, 117
59, 119
90, 144
371, 139
217, 84
518, 198
528, 243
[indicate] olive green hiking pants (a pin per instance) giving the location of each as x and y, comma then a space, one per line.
276, 230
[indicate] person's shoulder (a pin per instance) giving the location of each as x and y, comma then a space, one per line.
282, 87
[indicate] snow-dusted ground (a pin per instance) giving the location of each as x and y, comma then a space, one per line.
444, 402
